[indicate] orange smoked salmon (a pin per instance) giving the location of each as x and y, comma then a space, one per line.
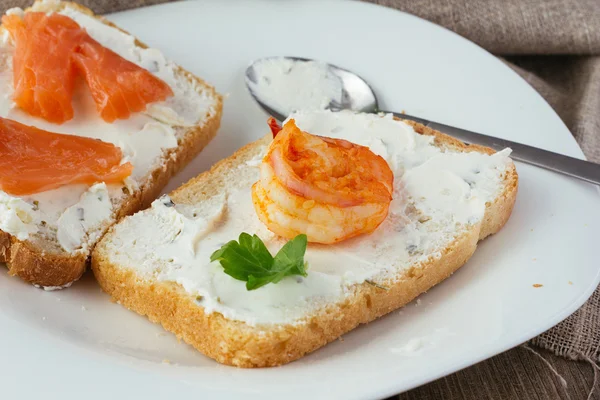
51, 50
119, 87
33, 160
42, 69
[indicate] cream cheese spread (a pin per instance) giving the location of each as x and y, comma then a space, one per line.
81, 223
16, 216
287, 85
143, 139
438, 194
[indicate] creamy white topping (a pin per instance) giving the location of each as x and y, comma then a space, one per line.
417, 345
15, 11
287, 85
54, 288
256, 160
438, 194
143, 139
82, 223
16, 217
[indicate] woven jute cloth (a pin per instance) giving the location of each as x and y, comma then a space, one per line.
555, 46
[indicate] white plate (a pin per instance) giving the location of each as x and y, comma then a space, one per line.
77, 344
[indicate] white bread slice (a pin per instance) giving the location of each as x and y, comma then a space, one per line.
40, 259
238, 343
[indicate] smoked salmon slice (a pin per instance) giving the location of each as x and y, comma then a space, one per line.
119, 87
43, 73
33, 160
52, 50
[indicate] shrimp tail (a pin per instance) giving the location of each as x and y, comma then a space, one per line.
275, 127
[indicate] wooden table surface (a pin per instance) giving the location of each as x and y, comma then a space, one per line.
517, 374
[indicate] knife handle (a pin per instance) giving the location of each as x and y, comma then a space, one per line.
574, 167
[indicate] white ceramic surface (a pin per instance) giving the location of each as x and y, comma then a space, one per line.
77, 344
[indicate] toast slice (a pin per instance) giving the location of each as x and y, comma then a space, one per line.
39, 257
222, 320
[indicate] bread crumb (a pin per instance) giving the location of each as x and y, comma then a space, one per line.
534, 259
166, 361
531, 229
161, 334
341, 339
536, 285
418, 303
570, 283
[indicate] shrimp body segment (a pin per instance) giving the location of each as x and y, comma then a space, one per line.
329, 189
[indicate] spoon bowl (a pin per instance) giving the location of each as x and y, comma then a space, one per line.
356, 94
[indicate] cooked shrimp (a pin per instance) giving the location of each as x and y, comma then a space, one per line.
329, 189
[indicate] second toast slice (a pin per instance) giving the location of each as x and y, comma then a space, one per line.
448, 197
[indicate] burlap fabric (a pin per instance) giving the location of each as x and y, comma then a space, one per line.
555, 46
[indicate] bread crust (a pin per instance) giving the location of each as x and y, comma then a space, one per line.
53, 268
239, 344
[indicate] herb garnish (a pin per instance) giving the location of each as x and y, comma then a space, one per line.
249, 260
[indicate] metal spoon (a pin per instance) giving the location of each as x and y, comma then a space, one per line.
357, 95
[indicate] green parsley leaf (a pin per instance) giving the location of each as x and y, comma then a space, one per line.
249, 260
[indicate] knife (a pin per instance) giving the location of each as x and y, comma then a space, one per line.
574, 167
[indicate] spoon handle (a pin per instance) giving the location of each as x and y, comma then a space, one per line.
574, 167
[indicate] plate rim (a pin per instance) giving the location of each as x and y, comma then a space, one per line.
567, 311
